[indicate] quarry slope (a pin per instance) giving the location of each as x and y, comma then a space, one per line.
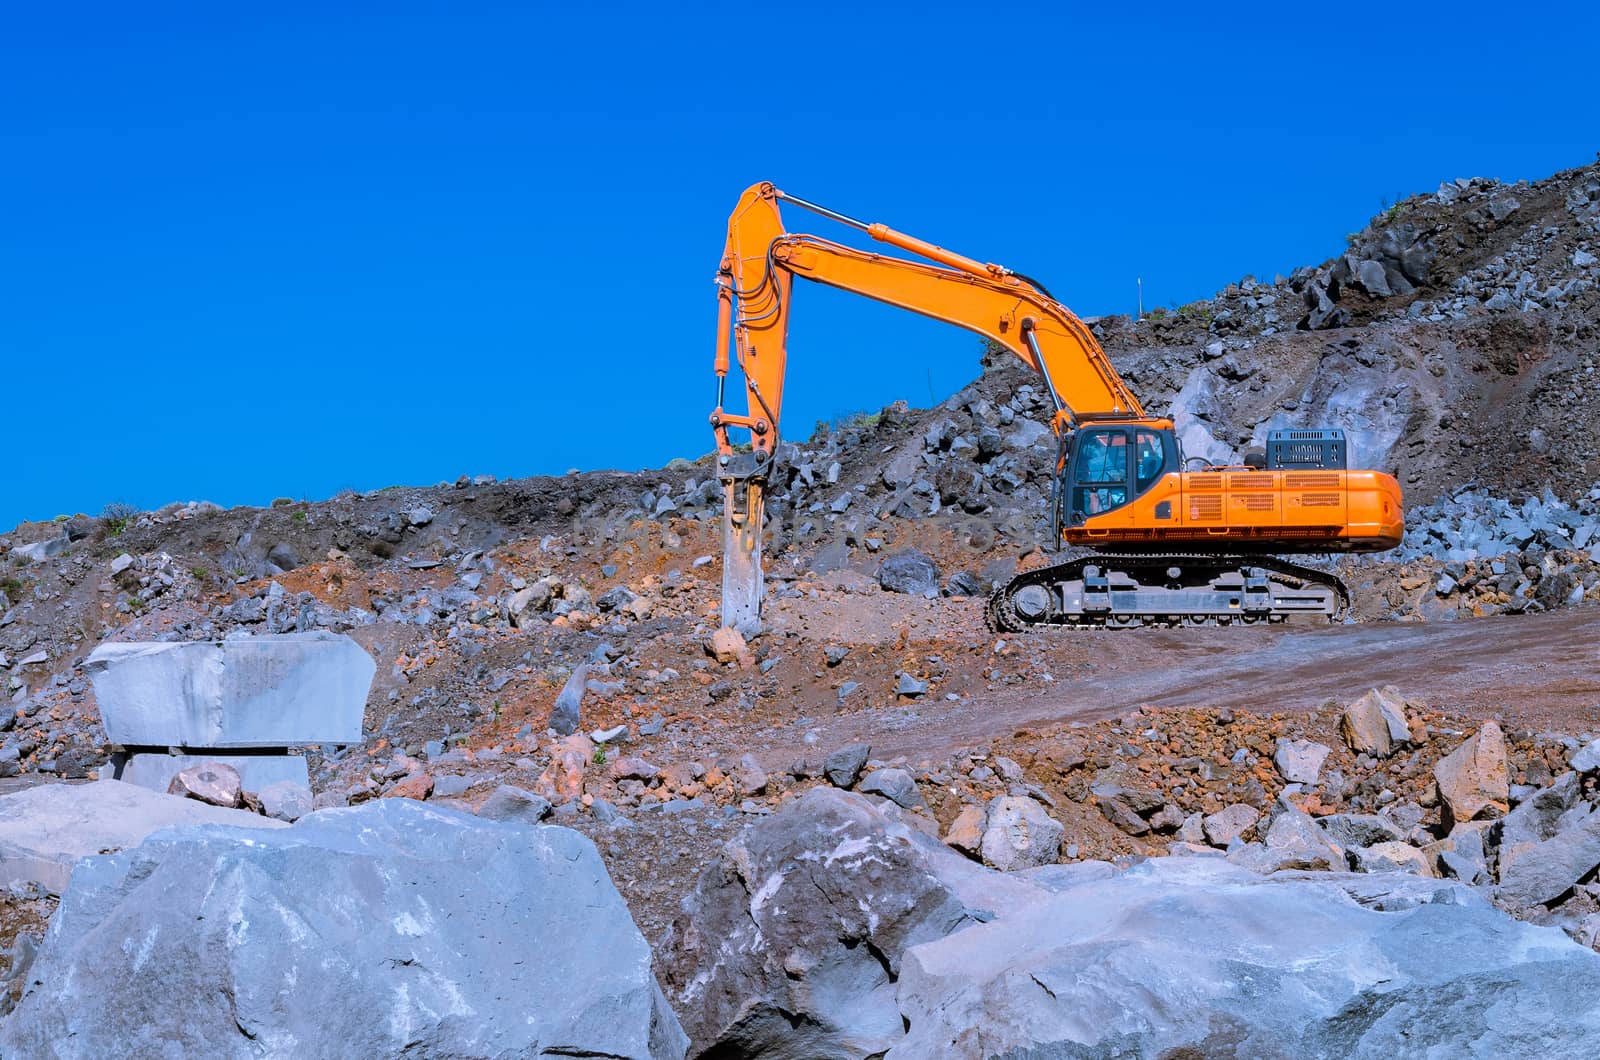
1455, 339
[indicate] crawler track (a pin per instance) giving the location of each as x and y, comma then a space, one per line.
1129, 591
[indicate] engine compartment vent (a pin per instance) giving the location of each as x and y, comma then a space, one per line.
1299, 449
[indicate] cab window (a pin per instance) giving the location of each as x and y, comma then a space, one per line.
1102, 472
1152, 457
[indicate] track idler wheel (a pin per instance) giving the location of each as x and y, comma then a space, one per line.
1032, 602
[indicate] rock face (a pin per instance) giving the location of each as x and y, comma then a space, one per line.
1473, 780
1192, 957
790, 944
45, 830
382, 930
271, 691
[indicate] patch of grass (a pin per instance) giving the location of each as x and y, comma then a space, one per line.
600, 755
200, 573
1195, 311
299, 516
118, 516
11, 587
859, 420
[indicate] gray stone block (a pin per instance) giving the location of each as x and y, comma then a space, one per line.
45, 830
383, 930
155, 771
273, 691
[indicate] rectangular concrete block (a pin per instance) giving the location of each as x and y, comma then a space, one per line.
271, 691
155, 771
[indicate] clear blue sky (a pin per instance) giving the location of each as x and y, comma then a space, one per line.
283, 251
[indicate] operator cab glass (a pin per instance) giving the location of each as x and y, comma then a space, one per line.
1110, 466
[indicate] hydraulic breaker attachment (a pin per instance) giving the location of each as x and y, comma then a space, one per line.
743, 500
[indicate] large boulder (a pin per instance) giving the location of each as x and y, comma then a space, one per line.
1352, 830
274, 691
567, 714
1300, 761
896, 785
211, 782
1230, 823
843, 767
1195, 957
386, 929
1534, 873
1538, 817
909, 571
45, 830
1020, 835
789, 946
1473, 779
1376, 724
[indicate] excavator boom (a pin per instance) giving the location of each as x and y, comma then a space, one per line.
754, 289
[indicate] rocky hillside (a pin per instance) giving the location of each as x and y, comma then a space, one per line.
556, 636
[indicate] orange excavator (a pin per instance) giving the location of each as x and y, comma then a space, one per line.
1174, 541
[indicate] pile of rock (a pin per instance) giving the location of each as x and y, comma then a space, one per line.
1474, 525
1479, 554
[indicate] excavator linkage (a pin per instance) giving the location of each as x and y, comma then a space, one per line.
1121, 591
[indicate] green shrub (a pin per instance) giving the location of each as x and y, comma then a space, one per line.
118, 516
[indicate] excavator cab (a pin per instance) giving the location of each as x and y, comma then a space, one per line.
1108, 465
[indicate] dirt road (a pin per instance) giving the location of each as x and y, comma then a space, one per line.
1535, 670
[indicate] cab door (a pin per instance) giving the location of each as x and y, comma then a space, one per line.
1100, 478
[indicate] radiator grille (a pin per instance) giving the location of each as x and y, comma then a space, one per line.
1203, 509
1256, 502
1320, 500
1315, 482
1252, 482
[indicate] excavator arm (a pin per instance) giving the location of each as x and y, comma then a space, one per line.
754, 287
